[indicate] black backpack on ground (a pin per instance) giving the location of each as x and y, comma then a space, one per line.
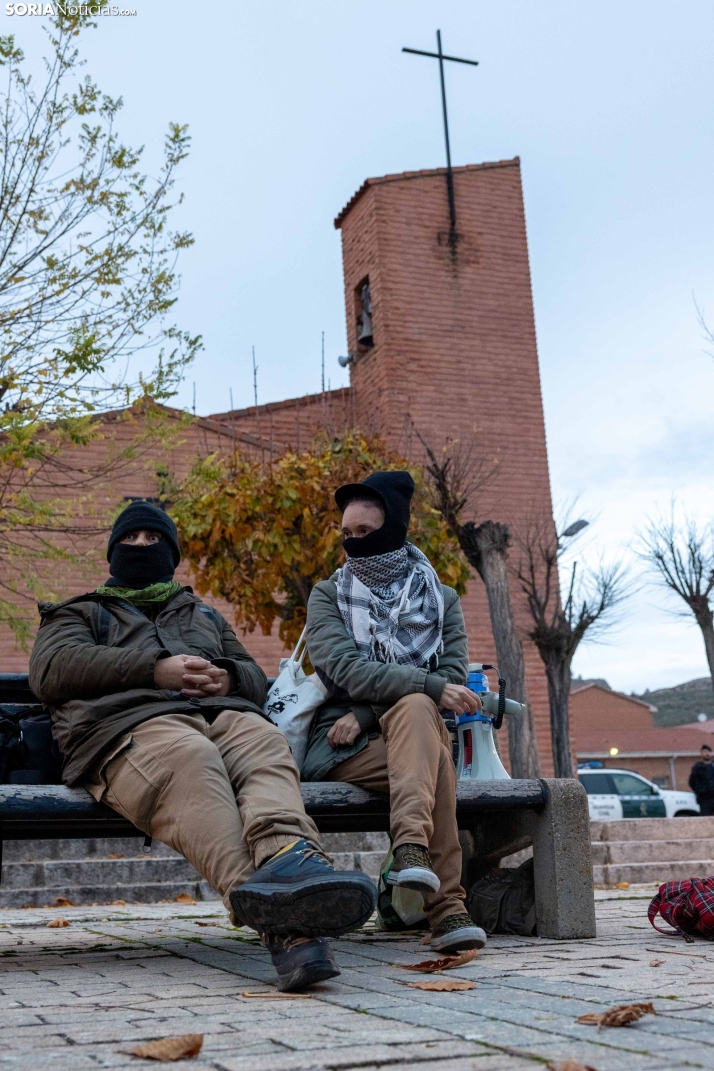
504, 900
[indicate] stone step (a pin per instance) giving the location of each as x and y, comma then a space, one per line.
368, 862
355, 842
142, 893
53, 873
19, 851
34, 873
701, 828
651, 851
637, 873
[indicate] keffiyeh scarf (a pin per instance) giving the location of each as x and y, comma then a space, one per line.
393, 607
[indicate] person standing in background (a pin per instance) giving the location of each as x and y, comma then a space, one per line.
701, 780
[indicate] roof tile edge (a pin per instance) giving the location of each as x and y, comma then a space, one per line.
398, 176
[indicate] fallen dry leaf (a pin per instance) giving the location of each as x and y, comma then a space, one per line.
62, 901
118, 903
621, 1015
184, 898
426, 940
622, 885
292, 996
656, 962
169, 1048
57, 922
570, 1065
442, 985
446, 963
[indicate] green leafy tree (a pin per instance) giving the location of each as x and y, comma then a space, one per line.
87, 284
262, 535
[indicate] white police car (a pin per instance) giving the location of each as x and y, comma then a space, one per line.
624, 794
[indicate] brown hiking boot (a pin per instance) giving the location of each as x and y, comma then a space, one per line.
412, 869
457, 933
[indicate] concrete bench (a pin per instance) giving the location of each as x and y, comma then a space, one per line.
496, 818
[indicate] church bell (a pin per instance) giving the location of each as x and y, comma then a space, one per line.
364, 320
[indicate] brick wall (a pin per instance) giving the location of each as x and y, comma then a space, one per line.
95, 497
597, 708
295, 421
454, 352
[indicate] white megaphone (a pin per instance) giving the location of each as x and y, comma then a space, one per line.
478, 758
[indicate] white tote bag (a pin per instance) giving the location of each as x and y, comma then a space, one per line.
293, 700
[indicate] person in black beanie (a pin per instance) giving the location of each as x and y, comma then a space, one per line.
143, 547
388, 641
158, 711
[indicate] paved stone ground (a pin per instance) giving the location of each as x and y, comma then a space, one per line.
116, 976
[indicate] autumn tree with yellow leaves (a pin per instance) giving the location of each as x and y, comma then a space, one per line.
262, 535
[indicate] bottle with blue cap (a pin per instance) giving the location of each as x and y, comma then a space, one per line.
478, 758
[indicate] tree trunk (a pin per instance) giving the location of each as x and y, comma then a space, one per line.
486, 548
558, 673
706, 624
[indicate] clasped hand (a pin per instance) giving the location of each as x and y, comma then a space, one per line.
192, 676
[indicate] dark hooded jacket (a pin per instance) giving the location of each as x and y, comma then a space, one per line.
701, 780
93, 665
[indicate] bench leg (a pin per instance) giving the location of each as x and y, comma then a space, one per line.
565, 903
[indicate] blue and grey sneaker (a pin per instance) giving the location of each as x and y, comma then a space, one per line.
298, 891
300, 961
412, 869
457, 933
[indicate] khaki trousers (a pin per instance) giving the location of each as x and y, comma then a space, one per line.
412, 761
225, 795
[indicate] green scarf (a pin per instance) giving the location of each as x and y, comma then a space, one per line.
143, 596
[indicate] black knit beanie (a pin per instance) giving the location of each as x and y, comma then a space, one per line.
393, 491
143, 516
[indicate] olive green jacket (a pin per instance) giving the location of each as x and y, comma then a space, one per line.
368, 689
93, 665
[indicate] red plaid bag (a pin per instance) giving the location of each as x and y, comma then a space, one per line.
688, 906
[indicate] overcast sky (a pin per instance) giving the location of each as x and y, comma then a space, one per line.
292, 104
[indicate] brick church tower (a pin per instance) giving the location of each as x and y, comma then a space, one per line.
442, 339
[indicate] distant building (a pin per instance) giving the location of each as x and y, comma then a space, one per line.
618, 730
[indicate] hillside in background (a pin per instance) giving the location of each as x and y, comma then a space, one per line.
681, 704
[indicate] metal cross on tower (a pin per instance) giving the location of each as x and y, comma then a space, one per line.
449, 175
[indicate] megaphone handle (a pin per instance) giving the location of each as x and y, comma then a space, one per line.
498, 720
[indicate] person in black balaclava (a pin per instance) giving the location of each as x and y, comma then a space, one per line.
143, 547
392, 493
388, 641
158, 710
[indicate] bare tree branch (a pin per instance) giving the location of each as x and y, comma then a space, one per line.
681, 558
558, 627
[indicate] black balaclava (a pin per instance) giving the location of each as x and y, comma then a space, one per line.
137, 567
393, 492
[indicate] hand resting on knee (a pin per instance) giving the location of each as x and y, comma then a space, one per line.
344, 732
